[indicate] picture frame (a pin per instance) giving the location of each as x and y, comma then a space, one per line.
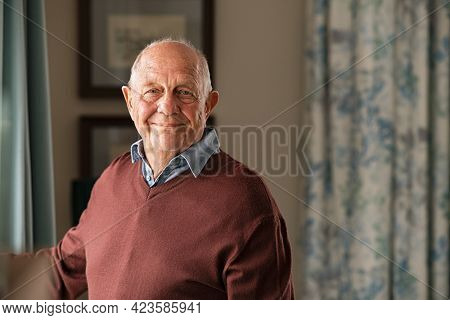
112, 32
102, 139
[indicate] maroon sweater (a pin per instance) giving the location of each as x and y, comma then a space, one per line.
217, 236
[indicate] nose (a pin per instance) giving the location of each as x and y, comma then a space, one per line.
168, 105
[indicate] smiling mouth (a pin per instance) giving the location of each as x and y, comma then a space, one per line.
168, 125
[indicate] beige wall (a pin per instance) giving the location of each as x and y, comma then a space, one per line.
67, 107
258, 71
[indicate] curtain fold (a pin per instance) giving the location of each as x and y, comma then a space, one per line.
27, 218
379, 150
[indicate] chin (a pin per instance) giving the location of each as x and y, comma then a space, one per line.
169, 143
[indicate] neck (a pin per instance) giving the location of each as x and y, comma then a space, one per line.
158, 159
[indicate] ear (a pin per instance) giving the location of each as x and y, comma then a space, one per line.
126, 91
211, 102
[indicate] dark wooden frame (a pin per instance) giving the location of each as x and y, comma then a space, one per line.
87, 90
87, 125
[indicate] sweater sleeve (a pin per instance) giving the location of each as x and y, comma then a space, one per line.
69, 265
262, 268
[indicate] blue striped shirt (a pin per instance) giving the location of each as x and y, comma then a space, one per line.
193, 158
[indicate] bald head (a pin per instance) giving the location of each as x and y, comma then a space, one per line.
168, 51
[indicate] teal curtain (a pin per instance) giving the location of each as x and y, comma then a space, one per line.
377, 221
27, 218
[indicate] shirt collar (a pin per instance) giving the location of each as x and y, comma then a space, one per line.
196, 156
199, 153
137, 151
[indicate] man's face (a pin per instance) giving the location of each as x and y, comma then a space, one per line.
167, 100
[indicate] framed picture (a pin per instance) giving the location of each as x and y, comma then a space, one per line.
102, 139
112, 32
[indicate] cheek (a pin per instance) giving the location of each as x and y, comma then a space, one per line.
143, 114
195, 116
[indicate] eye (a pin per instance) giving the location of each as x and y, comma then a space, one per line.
151, 94
183, 92
152, 91
186, 96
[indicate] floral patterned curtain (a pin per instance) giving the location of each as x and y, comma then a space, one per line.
377, 221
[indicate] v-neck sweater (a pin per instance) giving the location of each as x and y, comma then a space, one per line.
216, 236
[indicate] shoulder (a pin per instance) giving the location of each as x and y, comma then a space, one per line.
119, 170
120, 186
119, 166
242, 188
241, 202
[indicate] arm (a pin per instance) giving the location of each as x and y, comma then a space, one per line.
262, 268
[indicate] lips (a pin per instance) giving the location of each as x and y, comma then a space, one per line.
168, 125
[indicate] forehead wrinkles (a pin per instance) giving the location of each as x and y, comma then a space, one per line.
156, 68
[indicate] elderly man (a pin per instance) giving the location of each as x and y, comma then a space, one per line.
175, 218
